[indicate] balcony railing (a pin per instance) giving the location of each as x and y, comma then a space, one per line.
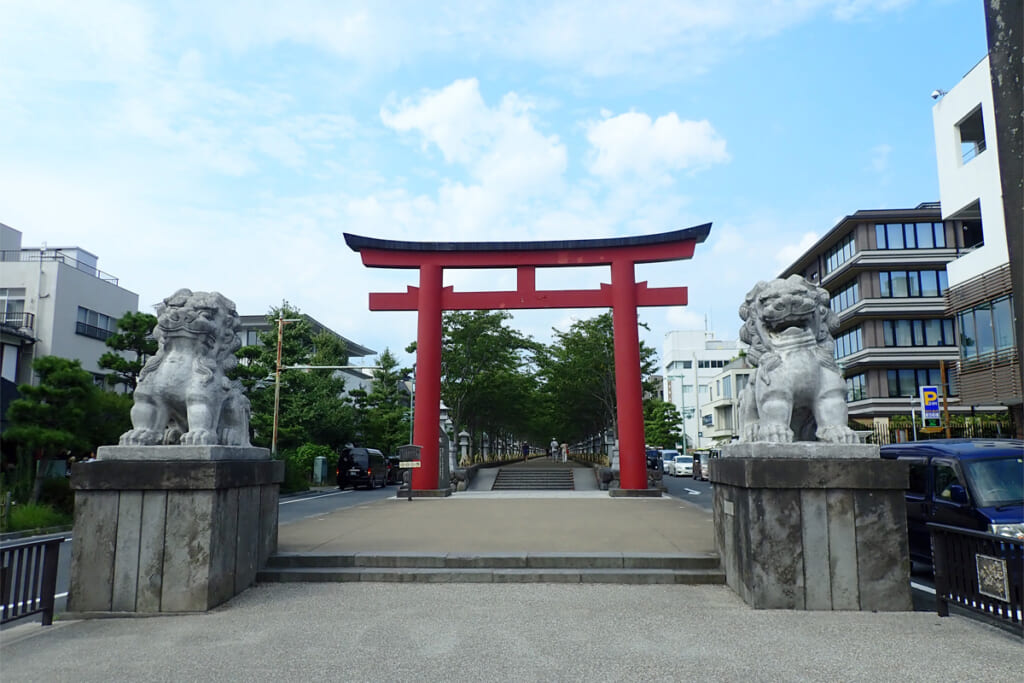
21, 320
33, 256
87, 330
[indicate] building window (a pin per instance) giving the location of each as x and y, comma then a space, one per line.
839, 254
95, 325
711, 363
856, 387
727, 387
971, 131
908, 381
986, 329
934, 332
850, 342
912, 283
12, 305
909, 235
845, 298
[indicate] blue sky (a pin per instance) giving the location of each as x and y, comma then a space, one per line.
229, 145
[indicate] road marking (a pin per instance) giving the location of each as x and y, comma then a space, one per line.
922, 587
691, 491
322, 495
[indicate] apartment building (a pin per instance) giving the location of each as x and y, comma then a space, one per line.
254, 325
54, 301
886, 273
691, 359
980, 296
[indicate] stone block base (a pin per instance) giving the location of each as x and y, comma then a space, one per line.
170, 536
812, 532
424, 493
634, 493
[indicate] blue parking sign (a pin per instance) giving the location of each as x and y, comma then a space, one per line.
930, 406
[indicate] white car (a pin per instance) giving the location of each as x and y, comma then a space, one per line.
667, 456
682, 466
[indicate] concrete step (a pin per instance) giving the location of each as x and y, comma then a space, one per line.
534, 480
627, 568
484, 575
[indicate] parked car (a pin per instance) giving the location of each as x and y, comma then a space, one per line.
361, 467
667, 455
975, 484
653, 459
682, 466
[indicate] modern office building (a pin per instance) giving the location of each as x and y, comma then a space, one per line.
54, 301
980, 296
254, 325
691, 359
886, 273
720, 414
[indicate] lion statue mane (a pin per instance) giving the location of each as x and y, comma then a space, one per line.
797, 392
184, 395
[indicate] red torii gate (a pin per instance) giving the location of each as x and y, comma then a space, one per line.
623, 296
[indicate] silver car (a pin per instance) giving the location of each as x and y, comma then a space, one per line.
682, 466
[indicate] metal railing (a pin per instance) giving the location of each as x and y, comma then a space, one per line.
20, 319
57, 256
979, 572
28, 579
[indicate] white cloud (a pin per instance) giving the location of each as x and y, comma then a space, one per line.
880, 158
791, 252
632, 145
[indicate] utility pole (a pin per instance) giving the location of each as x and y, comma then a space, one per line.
281, 321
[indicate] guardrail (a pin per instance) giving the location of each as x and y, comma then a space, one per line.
979, 572
28, 579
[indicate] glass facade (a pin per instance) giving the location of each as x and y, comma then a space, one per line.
910, 235
933, 332
845, 298
850, 342
856, 387
839, 254
908, 381
986, 329
912, 283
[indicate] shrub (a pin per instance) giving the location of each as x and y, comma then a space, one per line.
57, 493
295, 477
33, 516
307, 453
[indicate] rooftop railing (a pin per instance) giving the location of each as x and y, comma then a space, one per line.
36, 256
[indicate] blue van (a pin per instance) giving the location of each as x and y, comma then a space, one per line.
975, 484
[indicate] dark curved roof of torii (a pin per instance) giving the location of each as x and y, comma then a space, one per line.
698, 233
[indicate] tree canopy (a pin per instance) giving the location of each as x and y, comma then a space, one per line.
134, 335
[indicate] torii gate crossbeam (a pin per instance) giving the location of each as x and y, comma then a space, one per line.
623, 295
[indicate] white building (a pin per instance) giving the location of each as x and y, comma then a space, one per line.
691, 359
980, 293
720, 415
54, 301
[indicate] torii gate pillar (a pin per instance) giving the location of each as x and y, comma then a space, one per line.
623, 296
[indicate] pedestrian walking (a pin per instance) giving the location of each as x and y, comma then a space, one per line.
526, 451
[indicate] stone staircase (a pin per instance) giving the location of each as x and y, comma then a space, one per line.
534, 479
604, 567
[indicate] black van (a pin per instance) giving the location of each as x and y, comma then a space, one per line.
975, 484
361, 467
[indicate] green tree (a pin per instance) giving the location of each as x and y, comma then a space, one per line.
134, 335
486, 373
382, 414
578, 376
661, 423
64, 414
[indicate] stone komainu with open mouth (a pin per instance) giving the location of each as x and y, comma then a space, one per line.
797, 392
184, 395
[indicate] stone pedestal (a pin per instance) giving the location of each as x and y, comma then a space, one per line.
812, 526
171, 529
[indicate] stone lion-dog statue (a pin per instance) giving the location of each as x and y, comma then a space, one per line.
797, 391
184, 395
